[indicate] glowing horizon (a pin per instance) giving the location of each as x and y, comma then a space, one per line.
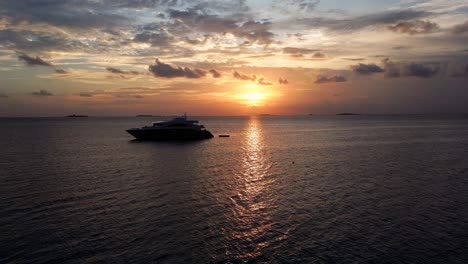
232, 57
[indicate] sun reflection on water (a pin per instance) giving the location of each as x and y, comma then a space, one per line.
253, 227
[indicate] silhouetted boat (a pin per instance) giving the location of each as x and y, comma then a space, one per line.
178, 128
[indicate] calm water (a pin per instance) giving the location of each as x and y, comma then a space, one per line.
361, 190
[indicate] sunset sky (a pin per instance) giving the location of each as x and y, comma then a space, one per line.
128, 57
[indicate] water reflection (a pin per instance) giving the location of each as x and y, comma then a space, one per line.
253, 227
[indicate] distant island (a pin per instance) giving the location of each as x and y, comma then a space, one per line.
348, 114
144, 115
76, 115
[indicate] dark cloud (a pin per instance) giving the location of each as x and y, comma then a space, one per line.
243, 77
400, 47
31, 61
282, 81
325, 79
292, 50
3, 95
393, 69
80, 15
118, 71
360, 22
125, 95
366, 69
420, 70
262, 81
196, 41
255, 32
140, 4
252, 31
301, 52
160, 69
161, 40
86, 95
60, 71
318, 55
215, 73
42, 93
29, 41
354, 59
460, 29
414, 27
461, 71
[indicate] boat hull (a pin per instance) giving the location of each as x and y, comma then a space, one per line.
169, 134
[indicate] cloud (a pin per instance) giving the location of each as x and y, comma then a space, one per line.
118, 71
354, 59
42, 93
360, 22
86, 95
161, 40
215, 73
292, 50
140, 4
282, 81
60, 71
295, 6
3, 95
461, 71
366, 69
243, 77
318, 55
262, 81
419, 70
167, 71
414, 27
32, 41
393, 69
31, 61
400, 47
324, 79
460, 29
250, 30
125, 95
300, 52
80, 15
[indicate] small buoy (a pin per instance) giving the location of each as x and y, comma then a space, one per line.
223, 135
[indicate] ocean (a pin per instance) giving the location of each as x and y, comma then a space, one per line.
297, 189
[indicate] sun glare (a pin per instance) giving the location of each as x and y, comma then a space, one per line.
253, 99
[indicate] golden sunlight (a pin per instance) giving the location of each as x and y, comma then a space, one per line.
254, 99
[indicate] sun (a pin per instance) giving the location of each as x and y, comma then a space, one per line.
253, 99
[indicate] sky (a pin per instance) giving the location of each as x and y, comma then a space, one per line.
239, 57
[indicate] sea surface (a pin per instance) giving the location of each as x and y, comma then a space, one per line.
305, 189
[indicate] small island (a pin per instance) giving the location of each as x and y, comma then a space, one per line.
76, 115
347, 114
144, 115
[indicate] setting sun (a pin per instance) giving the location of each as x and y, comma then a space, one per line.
253, 99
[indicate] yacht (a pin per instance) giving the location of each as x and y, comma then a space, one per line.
178, 128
